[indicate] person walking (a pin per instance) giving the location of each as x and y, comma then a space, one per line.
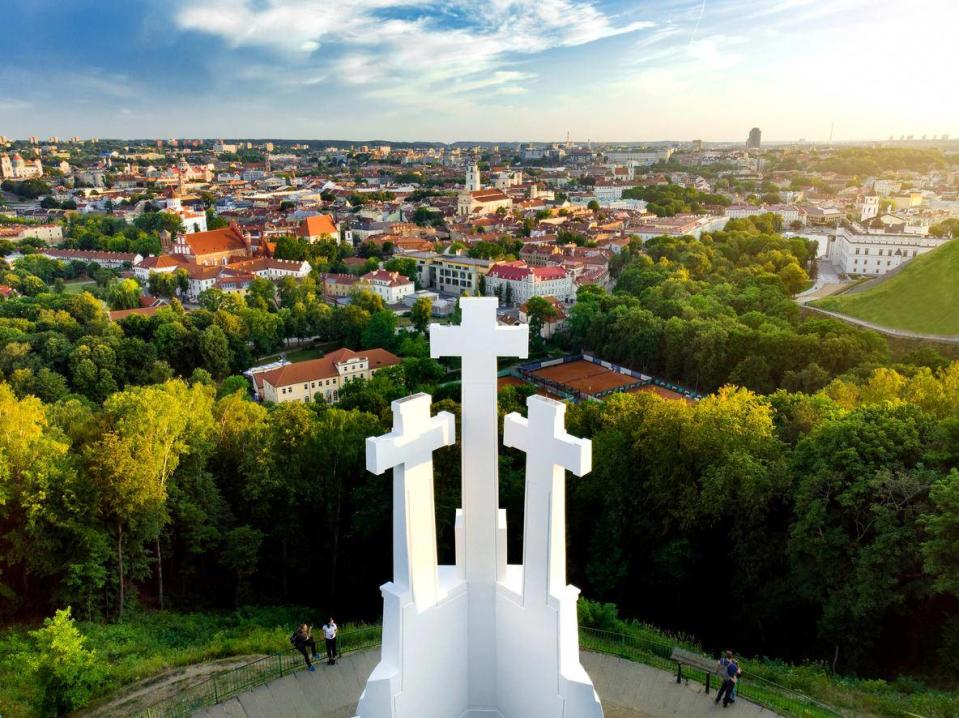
730, 672
302, 640
329, 632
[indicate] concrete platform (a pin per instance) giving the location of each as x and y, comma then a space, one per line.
627, 690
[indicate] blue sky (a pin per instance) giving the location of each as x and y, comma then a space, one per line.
480, 70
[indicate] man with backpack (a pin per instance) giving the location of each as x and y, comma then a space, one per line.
302, 639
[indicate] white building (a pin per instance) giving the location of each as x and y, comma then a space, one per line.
391, 286
861, 253
868, 207
789, 213
516, 282
640, 158
16, 167
605, 193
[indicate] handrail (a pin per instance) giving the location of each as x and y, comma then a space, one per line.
650, 651
221, 687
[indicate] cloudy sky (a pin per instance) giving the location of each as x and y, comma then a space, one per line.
480, 69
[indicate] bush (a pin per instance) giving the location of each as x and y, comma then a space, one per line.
67, 672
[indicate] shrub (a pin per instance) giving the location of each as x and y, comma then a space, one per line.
67, 672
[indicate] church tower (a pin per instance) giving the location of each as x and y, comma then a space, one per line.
473, 178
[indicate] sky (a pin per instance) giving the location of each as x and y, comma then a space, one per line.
483, 70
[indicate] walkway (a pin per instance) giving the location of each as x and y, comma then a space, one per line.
944, 338
627, 689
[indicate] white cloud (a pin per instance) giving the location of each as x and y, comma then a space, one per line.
427, 46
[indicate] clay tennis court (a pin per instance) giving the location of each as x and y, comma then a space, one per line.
584, 376
663, 392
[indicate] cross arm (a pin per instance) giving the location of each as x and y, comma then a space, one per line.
545, 432
415, 436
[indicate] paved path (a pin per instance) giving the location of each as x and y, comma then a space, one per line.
945, 338
827, 282
627, 690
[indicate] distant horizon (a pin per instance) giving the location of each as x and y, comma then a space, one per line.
65, 139
599, 69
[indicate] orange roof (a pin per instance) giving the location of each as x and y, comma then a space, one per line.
317, 225
325, 367
215, 241
119, 314
164, 260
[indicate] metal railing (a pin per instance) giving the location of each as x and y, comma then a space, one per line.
657, 653
650, 651
223, 686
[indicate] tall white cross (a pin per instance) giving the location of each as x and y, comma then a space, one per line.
479, 341
408, 450
549, 451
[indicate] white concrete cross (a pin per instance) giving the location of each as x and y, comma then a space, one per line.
549, 450
408, 450
479, 341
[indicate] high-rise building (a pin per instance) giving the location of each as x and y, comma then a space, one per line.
755, 139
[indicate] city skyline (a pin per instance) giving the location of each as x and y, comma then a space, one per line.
510, 70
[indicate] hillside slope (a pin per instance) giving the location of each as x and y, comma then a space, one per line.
922, 297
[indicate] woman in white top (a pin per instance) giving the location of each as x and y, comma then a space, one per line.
329, 632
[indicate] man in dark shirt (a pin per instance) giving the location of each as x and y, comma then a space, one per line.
730, 672
302, 639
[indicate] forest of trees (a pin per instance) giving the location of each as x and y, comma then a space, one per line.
811, 501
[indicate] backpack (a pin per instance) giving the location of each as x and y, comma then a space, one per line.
293, 640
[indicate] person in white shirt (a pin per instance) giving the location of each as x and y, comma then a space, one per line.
329, 632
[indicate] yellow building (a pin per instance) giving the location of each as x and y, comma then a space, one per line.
324, 377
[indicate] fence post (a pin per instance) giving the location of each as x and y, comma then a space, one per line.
216, 692
679, 673
279, 664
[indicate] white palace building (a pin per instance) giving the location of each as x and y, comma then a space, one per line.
857, 252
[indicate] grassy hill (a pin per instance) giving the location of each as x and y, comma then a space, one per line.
922, 297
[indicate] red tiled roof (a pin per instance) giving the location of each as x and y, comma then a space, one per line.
548, 272
325, 367
394, 279
316, 226
512, 271
164, 260
215, 241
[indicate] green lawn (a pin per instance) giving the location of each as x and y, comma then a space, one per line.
77, 287
296, 355
923, 297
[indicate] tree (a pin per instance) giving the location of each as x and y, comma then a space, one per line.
539, 312
941, 549
215, 221
158, 222
241, 552
32, 466
149, 430
69, 681
124, 294
215, 348
380, 331
421, 314
234, 384
593, 206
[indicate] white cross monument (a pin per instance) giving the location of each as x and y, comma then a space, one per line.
480, 639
